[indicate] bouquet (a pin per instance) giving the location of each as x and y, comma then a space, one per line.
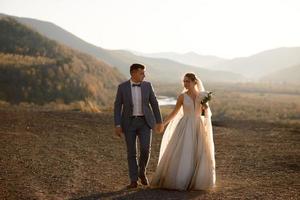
206, 99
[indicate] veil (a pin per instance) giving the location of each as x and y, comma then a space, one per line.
205, 125
207, 133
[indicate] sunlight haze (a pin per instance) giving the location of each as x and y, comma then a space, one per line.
232, 28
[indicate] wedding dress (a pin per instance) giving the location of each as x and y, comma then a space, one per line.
186, 159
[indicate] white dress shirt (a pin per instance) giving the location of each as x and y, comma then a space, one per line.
136, 93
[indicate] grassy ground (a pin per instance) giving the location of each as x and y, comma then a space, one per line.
75, 155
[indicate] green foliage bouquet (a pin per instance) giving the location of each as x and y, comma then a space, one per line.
207, 97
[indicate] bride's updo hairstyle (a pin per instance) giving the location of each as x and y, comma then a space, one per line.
191, 76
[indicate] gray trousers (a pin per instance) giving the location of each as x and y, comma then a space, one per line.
138, 128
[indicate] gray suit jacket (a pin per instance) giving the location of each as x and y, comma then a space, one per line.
123, 106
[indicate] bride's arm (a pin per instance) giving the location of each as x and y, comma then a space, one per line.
175, 111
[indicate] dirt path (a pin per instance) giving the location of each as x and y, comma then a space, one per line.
72, 155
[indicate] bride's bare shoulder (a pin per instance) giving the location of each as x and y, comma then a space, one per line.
180, 97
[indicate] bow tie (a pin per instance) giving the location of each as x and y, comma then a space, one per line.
136, 85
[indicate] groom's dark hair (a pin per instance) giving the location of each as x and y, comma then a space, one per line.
136, 66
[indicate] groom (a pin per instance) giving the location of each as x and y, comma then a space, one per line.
134, 117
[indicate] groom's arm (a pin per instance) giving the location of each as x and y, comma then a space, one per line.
118, 107
155, 106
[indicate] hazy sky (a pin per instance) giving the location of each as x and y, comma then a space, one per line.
225, 28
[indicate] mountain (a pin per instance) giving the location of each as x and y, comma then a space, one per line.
36, 69
160, 70
256, 66
170, 71
286, 75
189, 58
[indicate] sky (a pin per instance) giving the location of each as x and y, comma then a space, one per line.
223, 28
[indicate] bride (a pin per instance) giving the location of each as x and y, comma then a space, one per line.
186, 158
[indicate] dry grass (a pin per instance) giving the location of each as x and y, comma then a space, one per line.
87, 105
74, 155
279, 108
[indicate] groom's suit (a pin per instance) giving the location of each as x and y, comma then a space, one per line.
133, 113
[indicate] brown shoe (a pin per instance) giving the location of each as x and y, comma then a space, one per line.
144, 180
132, 185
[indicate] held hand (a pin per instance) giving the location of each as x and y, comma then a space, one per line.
159, 128
119, 131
